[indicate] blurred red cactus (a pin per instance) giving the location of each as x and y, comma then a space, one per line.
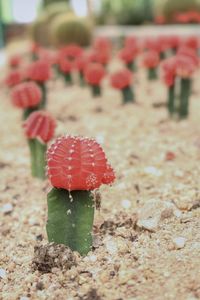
94, 73
40, 125
14, 61
39, 71
121, 79
76, 163
169, 70
151, 59
26, 94
13, 78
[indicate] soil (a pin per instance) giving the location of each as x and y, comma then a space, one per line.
155, 158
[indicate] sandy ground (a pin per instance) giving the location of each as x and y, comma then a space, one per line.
129, 261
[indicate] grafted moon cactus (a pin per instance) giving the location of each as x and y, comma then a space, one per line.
26, 95
122, 80
76, 166
151, 61
39, 128
94, 74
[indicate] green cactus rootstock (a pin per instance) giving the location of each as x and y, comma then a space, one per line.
43, 103
70, 219
38, 161
96, 90
131, 66
152, 73
184, 97
171, 100
28, 111
67, 78
128, 95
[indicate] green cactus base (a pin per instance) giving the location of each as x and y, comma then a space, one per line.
67, 78
128, 95
96, 90
132, 66
70, 219
38, 160
171, 100
152, 74
184, 98
43, 102
28, 111
81, 79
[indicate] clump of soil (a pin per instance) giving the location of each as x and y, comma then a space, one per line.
49, 256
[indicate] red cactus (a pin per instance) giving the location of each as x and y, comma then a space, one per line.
39, 71
65, 65
121, 79
131, 42
76, 163
80, 63
71, 51
102, 44
151, 59
26, 94
14, 61
169, 70
185, 66
160, 19
40, 125
128, 54
13, 78
190, 53
94, 73
191, 42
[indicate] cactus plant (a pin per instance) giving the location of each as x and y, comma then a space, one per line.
39, 128
39, 71
151, 60
128, 55
13, 78
76, 166
122, 80
26, 95
68, 29
94, 74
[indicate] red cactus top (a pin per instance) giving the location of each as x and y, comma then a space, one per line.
169, 70
40, 125
14, 61
65, 65
94, 73
26, 94
80, 63
71, 51
77, 163
13, 78
128, 54
39, 71
121, 79
151, 59
102, 44
131, 42
185, 66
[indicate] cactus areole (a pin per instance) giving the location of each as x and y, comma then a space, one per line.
76, 167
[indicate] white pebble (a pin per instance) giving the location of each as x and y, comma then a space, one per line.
100, 138
153, 171
111, 246
150, 224
7, 208
24, 298
126, 203
179, 242
2, 273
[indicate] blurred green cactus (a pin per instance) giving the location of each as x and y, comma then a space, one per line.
68, 29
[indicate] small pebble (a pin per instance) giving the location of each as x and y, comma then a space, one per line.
179, 242
111, 246
149, 224
153, 171
7, 208
126, 203
2, 273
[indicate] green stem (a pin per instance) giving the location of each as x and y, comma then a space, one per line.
128, 95
131, 66
171, 100
184, 97
43, 102
96, 90
162, 55
38, 161
70, 219
152, 73
28, 111
67, 78
81, 79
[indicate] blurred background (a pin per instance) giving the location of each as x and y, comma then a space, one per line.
50, 22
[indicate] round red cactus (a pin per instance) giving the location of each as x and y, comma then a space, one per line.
40, 125
151, 59
26, 94
94, 73
13, 78
76, 163
128, 54
80, 63
71, 51
39, 71
65, 65
14, 61
121, 79
169, 70
102, 44
185, 66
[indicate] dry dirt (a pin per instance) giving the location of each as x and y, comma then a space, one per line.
128, 261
